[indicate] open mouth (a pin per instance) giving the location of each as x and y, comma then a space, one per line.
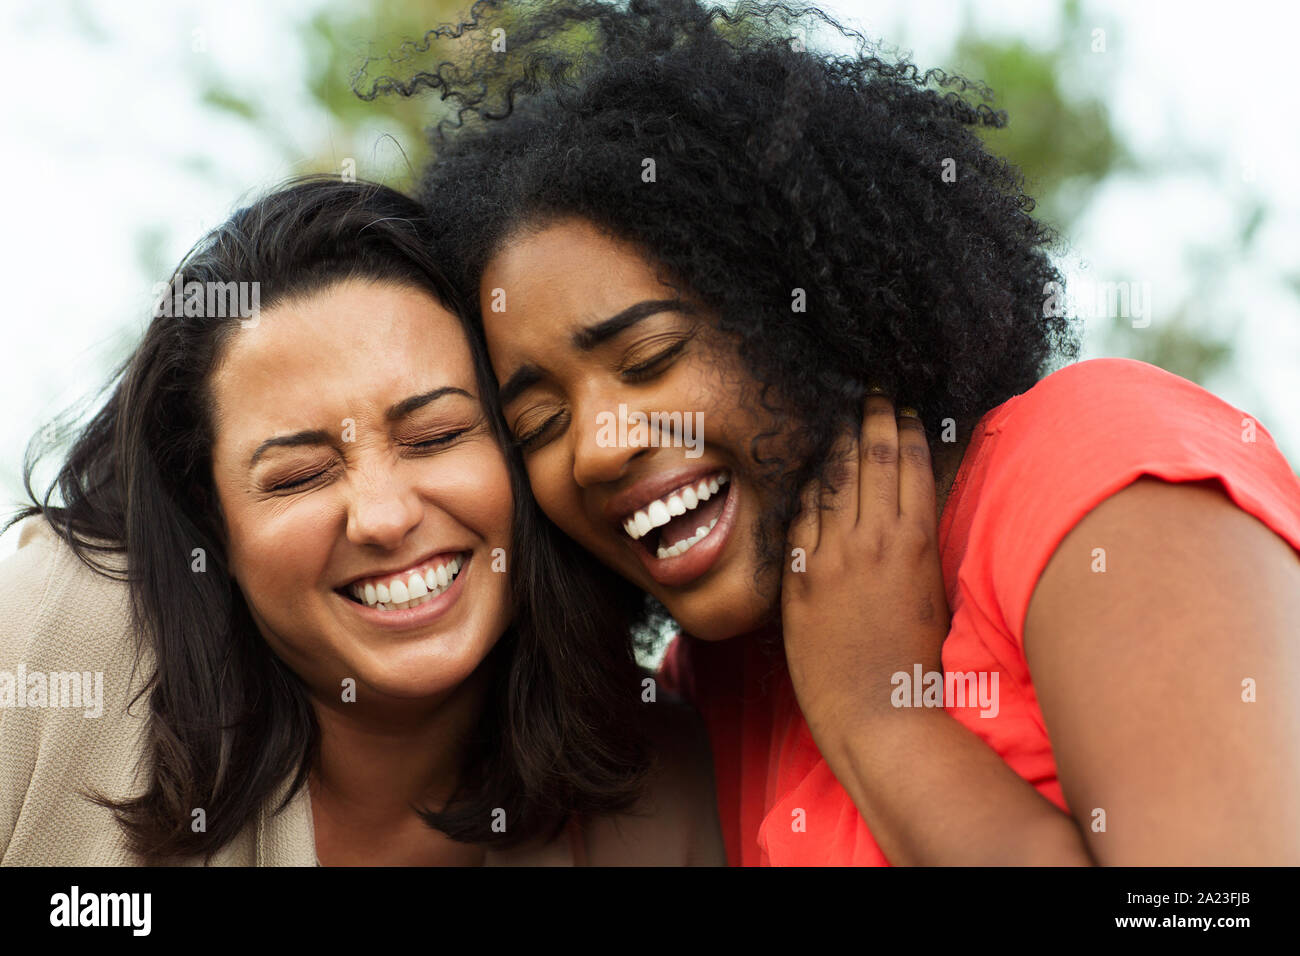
409, 588
672, 525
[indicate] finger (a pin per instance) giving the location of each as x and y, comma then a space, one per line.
840, 490
805, 529
916, 492
878, 477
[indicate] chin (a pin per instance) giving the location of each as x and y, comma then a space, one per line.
744, 602
718, 620
404, 683
432, 668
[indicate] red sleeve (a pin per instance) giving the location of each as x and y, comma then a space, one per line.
1089, 430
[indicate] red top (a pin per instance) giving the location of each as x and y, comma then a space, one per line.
1035, 466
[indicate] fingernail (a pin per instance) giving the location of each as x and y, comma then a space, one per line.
908, 413
875, 390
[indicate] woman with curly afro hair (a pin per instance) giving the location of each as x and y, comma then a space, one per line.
774, 340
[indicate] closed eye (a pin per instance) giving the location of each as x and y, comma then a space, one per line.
436, 442
295, 484
642, 371
305, 481
536, 437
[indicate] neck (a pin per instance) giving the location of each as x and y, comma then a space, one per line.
946, 465
375, 762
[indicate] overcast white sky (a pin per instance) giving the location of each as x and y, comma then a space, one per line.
104, 139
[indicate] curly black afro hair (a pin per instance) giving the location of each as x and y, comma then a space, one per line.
778, 167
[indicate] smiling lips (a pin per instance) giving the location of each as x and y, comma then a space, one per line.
681, 514
409, 588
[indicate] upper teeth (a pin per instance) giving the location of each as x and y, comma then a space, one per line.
662, 510
408, 588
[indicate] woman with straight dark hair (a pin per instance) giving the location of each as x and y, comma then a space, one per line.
318, 616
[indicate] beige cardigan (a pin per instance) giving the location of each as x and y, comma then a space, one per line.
57, 615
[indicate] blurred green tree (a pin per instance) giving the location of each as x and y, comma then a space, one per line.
1060, 134
1061, 137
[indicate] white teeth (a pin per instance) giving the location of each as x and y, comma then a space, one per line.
658, 513
410, 590
681, 547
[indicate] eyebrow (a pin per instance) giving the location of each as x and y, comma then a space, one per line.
312, 437
592, 336
408, 405
586, 339
524, 378
318, 436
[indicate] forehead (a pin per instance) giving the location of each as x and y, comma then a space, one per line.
566, 274
346, 350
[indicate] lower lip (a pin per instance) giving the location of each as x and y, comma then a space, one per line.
685, 568
407, 618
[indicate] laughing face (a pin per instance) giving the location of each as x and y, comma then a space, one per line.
632, 417
363, 491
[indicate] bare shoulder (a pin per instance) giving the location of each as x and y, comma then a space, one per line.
1155, 540
1162, 642
676, 821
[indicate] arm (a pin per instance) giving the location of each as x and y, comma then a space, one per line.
1140, 674
1198, 597
869, 602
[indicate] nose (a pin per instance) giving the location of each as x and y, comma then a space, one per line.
601, 447
384, 508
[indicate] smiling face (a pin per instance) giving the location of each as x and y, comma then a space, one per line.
363, 491
633, 419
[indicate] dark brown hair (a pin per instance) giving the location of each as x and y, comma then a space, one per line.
229, 721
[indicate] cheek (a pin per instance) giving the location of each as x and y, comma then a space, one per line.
476, 493
485, 506
279, 550
546, 479
550, 477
